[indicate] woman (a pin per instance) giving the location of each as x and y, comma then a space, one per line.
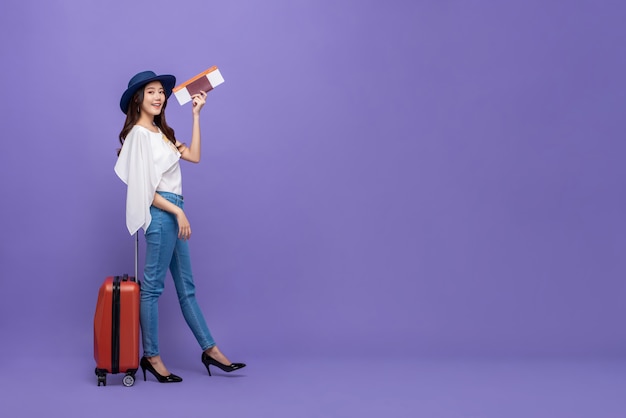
148, 163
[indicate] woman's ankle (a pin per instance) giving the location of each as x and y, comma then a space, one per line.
154, 359
211, 350
216, 354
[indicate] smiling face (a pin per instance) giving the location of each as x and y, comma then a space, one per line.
153, 98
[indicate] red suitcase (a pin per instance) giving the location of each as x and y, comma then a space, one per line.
116, 328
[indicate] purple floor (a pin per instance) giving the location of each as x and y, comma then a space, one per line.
337, 387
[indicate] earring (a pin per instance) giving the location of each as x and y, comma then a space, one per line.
138, 110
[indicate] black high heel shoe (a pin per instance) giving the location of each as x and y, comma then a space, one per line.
145, 365
208, 360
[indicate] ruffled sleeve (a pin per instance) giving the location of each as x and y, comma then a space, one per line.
141, 169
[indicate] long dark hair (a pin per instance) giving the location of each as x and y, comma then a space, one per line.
132, 116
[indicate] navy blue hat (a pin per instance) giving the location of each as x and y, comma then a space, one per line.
141, 79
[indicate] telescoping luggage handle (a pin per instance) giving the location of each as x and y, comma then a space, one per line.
125, 277
136, 257
136, 254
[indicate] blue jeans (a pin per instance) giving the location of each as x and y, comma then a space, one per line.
165, 250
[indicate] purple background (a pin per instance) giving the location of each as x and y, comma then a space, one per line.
388, 179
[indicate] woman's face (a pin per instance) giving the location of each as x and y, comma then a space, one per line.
153, 98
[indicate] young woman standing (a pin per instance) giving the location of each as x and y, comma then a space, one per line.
148, 163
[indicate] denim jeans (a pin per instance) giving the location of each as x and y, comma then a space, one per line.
165, 250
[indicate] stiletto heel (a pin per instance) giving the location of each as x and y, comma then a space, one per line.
208, 360
146, 365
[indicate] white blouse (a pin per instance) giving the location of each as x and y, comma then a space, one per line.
148, 162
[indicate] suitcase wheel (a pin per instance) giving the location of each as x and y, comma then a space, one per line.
128, 380
102, 377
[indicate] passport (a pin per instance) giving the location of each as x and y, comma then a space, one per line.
205, 81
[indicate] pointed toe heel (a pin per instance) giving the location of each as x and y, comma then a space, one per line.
208, 360
145, 365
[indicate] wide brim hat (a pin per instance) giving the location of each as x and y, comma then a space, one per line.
141, 79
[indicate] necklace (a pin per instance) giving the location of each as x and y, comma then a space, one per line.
168, 142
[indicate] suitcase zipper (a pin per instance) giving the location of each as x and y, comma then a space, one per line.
115, 327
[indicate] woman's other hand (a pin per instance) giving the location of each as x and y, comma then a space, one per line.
184, 228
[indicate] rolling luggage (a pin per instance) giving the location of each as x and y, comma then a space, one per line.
116, 327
